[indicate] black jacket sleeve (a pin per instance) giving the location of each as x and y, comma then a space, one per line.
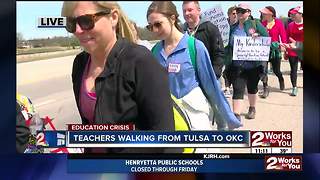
78, 66
153, 93
153, 99
217, 47
22, 131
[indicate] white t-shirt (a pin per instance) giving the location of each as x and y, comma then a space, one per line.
145, 43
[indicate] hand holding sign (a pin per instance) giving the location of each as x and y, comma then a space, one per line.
254, 35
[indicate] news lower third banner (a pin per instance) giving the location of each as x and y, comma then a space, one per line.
270, 150
183, 163
165, 165
118, 139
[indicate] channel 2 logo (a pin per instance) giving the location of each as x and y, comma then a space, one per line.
41, 140
51, 139
283, 163
271, 138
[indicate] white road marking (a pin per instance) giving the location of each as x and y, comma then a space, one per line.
45, 103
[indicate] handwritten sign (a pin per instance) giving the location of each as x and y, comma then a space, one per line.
216, 16
251, 49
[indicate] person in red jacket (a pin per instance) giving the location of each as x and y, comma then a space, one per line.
295, 32
278, 35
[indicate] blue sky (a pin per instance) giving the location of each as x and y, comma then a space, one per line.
29, 11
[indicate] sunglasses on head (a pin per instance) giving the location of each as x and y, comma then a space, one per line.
86, 22
242, 11
156, 24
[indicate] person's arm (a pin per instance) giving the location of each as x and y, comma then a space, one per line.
283, 33
212, 90
289, 32
295, 46
261, 29
218, 49
152, 92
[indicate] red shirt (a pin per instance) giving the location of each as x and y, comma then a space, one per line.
295, 31
277, 32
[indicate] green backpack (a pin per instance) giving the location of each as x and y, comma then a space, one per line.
181, 120
191, 48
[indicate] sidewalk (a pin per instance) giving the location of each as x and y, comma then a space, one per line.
279, 111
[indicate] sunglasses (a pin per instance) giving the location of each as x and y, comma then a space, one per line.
156, 24
86, 22
242, 11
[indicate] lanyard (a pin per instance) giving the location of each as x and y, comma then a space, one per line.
192, 33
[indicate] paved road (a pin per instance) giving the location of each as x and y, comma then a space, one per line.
48, 84
280, 111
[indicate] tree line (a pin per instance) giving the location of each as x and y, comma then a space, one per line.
73, 42
61, 41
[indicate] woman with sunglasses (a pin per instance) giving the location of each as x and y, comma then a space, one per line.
196, 87
114, 80
278, 35
245, 73
232, 19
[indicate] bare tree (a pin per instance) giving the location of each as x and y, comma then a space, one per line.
19, 39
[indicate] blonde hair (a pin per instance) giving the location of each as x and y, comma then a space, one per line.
123, 27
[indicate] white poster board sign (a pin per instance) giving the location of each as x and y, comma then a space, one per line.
251, 49
216, 16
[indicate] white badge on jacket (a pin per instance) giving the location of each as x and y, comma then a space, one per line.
173, 68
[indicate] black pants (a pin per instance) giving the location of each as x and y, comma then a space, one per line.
241, 77
276, 68
294, 68
225, 75
301, 64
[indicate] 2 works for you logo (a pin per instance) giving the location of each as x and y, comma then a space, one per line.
52, 22
271, 138
283, 163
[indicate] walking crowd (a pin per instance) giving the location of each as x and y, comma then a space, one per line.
175, 84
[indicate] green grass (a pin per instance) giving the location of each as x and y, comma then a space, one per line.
44, 56
41, 50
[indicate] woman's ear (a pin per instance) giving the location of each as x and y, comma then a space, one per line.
172, 19
114, 17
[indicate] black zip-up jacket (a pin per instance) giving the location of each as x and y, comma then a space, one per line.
210, 35
133, 88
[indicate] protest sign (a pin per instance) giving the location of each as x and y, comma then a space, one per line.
252, 49
216, 16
